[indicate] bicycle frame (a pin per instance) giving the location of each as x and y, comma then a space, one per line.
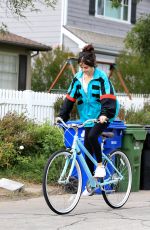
76, 149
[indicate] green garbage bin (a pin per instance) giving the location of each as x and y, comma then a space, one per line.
132, 145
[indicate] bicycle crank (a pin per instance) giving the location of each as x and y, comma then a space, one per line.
89, 188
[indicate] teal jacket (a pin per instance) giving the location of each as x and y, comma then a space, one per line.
100, 98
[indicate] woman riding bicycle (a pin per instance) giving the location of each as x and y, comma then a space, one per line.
95, 97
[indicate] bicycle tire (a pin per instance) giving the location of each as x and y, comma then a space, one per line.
116, 194
61, 197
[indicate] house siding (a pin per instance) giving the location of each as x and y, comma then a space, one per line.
78, 16
43, 26
71, 45
143, 8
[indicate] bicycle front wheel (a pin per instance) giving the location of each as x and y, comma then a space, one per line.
117, 192
61, 191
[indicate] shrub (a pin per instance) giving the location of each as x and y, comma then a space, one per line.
7, 154
25, 146
48, 139
138, 117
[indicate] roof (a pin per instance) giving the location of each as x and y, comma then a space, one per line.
15, 40
101, 42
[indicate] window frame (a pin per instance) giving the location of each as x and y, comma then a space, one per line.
8, 54
115, 19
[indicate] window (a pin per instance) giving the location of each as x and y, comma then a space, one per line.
8, 71
104, 9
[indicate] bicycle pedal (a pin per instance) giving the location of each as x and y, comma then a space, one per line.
90, 189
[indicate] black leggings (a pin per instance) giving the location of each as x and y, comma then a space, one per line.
91, 143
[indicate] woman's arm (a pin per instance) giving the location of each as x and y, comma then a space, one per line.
107, 98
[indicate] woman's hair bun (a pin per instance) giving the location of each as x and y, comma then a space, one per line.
88, 48
87, 56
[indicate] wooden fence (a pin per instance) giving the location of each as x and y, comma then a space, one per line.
40, 106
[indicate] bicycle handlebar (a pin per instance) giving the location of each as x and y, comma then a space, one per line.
60, 120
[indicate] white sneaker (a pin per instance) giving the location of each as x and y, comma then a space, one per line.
100, 172
86, 193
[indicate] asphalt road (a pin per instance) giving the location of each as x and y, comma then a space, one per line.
91, 213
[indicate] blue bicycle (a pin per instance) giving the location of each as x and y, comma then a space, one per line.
62, 181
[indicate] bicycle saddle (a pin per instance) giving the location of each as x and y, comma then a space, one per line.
107, 134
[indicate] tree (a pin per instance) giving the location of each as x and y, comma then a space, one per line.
17, 7
138, 39
117, 3
46, 68
135, 73
134, 62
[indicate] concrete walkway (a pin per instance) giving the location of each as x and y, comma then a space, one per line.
91, 213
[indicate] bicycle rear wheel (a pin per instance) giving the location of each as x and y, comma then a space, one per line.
61, 192
117, 193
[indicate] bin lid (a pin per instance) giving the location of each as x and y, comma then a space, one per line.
138, 131
117, 124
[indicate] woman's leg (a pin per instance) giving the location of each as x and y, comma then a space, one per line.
89, 148
93, 135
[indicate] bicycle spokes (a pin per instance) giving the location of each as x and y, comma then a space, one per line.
61, 190
117, 185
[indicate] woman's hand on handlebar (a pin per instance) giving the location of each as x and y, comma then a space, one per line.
57, 120
102, 119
